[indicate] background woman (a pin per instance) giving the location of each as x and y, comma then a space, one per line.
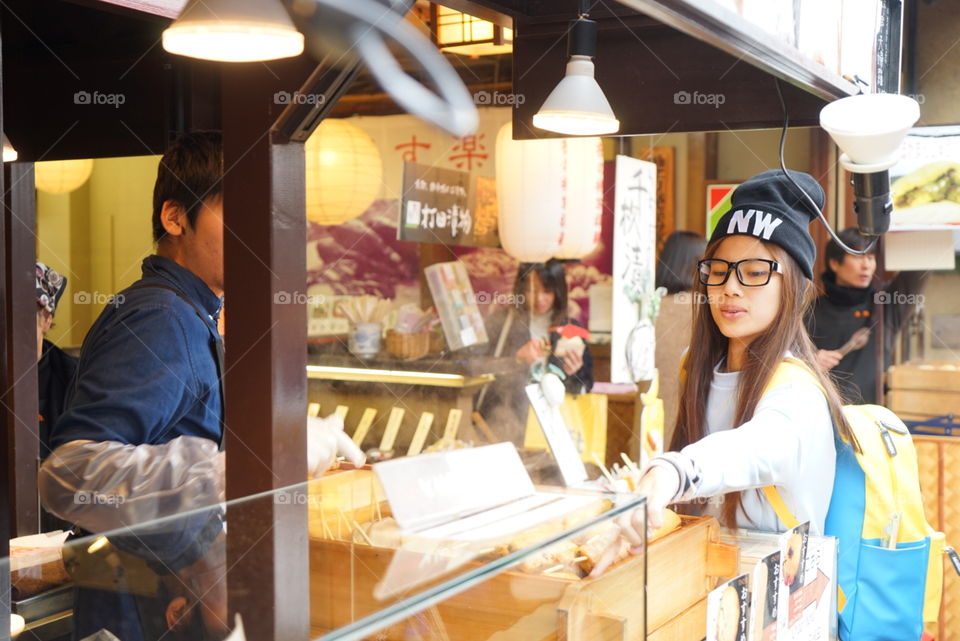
676, 272
539, 304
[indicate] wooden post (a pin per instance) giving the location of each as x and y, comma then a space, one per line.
6, 480
20, 396
266, 387
697, 175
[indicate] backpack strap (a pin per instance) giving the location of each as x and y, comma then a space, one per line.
791, 369
778, 505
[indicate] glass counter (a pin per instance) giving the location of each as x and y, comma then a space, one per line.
517, 573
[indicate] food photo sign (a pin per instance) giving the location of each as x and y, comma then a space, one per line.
925, 187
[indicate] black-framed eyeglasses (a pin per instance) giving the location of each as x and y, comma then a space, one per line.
751, 272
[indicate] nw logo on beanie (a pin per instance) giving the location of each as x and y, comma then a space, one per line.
769, 203
763, 224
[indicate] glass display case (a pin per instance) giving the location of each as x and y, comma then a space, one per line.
516, 570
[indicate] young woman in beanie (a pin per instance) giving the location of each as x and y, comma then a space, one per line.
733, 435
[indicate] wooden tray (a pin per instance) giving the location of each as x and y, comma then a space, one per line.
682, 568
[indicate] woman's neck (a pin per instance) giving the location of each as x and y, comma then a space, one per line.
736, 351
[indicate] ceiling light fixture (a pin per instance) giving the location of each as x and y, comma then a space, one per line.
577, 105
456, 32
233, 31
9, 153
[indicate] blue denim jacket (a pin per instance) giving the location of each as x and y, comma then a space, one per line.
147, 375
148, 369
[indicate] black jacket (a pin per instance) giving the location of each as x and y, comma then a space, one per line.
841, 311
54, 373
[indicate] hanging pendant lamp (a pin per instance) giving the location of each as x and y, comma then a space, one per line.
233, 31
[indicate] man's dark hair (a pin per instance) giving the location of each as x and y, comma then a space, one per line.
554, 279
190, 172
851, 238
678, 261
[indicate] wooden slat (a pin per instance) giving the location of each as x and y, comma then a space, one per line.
392, 429
420, 435
933, 403
914, 378
688, 626
364, 425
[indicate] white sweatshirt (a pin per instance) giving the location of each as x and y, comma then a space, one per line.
788, 443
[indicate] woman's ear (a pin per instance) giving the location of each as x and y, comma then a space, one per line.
834, 264
173, 217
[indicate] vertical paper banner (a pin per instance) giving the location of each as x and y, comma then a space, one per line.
634, 255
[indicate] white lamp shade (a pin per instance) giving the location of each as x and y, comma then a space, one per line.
344, 172
577, 105
9, 152
17, 624
550, 196
869, 129
233, 31
62, 176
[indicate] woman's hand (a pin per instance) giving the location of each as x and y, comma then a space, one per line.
531, 352
659, 484
572, 362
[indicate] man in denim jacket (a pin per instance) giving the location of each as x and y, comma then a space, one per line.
142, 433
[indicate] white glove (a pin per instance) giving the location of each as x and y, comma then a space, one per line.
325, 441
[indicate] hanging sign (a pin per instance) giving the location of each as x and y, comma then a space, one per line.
440, 205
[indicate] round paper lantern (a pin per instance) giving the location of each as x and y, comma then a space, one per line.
344, 172
62, 176
549, 195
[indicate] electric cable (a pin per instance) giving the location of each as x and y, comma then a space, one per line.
808, 199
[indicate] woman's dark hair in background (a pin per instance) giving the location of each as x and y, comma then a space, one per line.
190, 172
554, 279
677, 264
851, 238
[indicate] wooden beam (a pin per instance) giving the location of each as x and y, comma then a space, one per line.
697, 176
264, 236
20, 398
501, 15
736, 37
673, 82
382, 104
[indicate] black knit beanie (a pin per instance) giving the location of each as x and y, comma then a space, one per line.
769, 207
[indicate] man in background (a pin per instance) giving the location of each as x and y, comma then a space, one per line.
844, 321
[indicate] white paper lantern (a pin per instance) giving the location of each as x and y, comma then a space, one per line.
344, 172
550, 196
62, 176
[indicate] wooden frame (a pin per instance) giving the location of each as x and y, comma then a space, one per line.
665, 160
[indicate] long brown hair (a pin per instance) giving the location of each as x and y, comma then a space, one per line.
762, 356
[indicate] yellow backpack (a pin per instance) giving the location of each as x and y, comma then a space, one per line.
890, 560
